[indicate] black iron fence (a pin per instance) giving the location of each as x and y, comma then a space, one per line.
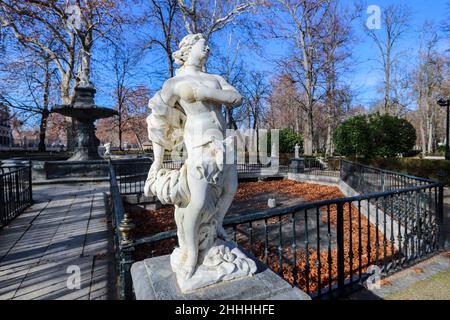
16, 192
131, 175
122, 226
319, 167
325, 248
365, 179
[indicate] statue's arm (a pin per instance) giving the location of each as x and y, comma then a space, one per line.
234, 96
159, 122
228, 95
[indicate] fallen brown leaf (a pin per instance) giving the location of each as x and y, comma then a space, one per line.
385, 282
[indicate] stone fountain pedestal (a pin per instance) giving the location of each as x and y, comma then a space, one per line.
84, 113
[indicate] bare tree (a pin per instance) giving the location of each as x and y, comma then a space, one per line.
164, 16
47, 27
395, 22
299, 23
336, 38
123, 60
429, 76
35, 25
255, 93
284, 109
134, 112
208, 17
33, 76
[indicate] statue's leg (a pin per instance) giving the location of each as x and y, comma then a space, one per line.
229, 190
191, 222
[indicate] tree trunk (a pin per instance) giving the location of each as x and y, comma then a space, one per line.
66, 99
388, 88
139, 141
429, 118
308, 134
387, 98
422, 138
43, 130
120, 124
329, 142
45, 110
231, 123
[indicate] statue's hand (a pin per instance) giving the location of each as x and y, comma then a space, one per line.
235, 99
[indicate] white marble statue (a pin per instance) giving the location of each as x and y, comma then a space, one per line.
107, 152
297, 148
188, 110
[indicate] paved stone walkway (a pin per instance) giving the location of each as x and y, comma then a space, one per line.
65, 233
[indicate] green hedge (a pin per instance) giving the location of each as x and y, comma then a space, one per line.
374, 135
425, 168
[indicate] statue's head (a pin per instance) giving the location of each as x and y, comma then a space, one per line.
193, 51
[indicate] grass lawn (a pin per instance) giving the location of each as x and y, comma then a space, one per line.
437, 287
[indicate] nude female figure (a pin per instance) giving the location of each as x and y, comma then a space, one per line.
203, 189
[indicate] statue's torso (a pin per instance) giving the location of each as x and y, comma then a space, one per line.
201, 116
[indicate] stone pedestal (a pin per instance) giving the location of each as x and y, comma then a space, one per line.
297, 165
153, 279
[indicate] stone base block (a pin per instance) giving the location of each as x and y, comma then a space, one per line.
297, 165
153, 279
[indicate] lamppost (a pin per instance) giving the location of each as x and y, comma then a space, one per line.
446, 103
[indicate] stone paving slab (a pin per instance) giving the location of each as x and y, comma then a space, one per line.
67, 227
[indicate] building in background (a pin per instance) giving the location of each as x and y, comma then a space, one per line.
5, 128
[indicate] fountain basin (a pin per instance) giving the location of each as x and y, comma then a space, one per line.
65, 169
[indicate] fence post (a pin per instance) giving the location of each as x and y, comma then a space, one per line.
340, 247
2, 202
126, 256
30, 180
440, 217
17, 187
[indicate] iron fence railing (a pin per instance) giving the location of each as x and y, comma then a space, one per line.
16, 192
326, 248
121, 225
318, 167
365, 179
131, 176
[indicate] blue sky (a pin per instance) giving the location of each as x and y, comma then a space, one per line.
368, 74
365, 77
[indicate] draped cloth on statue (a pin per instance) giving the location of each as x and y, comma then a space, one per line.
165, 124
165, 127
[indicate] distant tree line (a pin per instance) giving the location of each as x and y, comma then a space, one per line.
304, 89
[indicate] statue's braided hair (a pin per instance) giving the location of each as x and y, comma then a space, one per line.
181, 55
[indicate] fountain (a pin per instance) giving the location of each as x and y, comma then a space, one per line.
84, 112
85, 161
